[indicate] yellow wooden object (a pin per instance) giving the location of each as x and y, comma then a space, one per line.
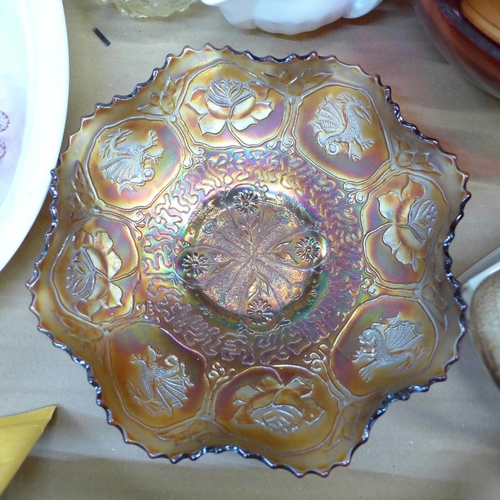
18, 435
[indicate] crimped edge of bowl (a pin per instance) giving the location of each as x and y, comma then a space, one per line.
402, 395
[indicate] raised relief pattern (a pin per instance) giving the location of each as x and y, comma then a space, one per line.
393, 344
132, 165
232, 103
295, 84
165, 101
92, 273
253, 251
337, 126
279, 408
412, 219
253, 255
164, 384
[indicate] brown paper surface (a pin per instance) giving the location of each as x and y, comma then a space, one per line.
18, 435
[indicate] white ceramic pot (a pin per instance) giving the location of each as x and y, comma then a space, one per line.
290, 16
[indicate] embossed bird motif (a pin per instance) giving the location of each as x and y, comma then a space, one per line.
165, 385
394, 344
131, 165
337, 126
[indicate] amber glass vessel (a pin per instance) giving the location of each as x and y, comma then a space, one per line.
465, 46
485, 15
251, 255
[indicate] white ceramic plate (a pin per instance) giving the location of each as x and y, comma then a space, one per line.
34, 82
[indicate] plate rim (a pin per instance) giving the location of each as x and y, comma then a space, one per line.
46, 109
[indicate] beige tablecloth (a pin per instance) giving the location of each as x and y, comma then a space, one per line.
442, 444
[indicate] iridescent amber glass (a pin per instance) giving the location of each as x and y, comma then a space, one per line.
251, 255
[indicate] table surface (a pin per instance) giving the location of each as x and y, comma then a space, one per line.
440, 444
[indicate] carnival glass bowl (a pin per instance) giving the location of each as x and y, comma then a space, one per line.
461, 43
251, 255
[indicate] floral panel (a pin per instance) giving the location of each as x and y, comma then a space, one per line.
225, 106
97, 271
283, 408
403, 220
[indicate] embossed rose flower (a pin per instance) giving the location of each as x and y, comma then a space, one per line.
232, 103
413, 218
278, 407
97, 272
92, 273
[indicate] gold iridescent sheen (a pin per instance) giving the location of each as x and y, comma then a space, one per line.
250, 254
